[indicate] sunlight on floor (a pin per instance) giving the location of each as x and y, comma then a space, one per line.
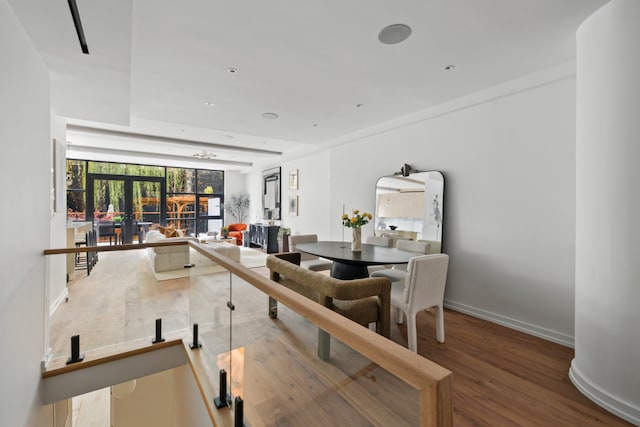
92, 409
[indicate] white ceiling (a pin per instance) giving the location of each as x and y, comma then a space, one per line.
154, 63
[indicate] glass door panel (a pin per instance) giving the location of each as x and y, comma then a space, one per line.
108, 207
146, 208
181, 212
209, 213
125, 208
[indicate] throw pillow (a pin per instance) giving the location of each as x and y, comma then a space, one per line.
170, 231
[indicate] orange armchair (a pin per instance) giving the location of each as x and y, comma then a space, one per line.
235, 230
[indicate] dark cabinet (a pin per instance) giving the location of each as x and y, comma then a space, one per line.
264, 237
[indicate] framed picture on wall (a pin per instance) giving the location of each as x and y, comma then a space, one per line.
293, 205
293, 179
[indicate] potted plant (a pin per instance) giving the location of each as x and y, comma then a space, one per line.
284, 233
238, 206
225, 232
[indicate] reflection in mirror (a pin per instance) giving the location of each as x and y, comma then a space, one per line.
271, 194
410, 207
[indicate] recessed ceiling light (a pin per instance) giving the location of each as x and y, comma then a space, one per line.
359, 105
228, 136
232, 70
395, 33
270, 115
449, 67
209, 104
315, 125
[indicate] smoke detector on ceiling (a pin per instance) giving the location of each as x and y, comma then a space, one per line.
395, 33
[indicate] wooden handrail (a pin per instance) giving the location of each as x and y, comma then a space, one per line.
109, 354
111, 248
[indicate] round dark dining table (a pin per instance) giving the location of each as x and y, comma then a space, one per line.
349, 265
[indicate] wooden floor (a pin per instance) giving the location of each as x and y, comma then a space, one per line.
501, 377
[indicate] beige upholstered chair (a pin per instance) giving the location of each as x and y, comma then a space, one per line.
364, 301
309, 261
423, 289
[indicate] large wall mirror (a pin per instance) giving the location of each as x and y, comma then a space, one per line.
410, 207
271, 194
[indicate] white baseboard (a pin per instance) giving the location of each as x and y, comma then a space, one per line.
602, 398
518, 325
61, 298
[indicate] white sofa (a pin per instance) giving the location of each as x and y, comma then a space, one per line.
167, 258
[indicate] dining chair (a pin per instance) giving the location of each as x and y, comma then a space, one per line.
386, 242
423, 288
399, 271
312, 262
379, 241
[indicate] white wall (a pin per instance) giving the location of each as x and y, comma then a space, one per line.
607, 356
25, 168
508, 157
313, 194
57, 276
234, 183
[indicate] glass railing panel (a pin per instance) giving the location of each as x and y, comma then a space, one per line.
272, 364
210, 292
117, 300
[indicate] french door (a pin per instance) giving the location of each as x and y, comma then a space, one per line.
125, 205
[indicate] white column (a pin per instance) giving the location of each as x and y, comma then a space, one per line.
606, 367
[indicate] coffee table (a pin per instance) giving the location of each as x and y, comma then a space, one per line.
208, 239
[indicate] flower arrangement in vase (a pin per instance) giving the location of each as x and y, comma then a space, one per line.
354, 222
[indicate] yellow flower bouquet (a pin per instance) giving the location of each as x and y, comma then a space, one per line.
357, 220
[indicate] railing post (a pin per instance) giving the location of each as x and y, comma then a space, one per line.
75, 350
158, 332
195, 344
223, 399
238, 413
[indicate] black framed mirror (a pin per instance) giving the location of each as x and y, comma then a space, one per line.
271, 191
411, 207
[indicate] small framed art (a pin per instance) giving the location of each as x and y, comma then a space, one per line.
293, 179
293, 205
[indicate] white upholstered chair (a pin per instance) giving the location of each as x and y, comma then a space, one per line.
309, 261
419, 246
423, 289
399, 271
379, 241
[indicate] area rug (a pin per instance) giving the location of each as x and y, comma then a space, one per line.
250, 258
